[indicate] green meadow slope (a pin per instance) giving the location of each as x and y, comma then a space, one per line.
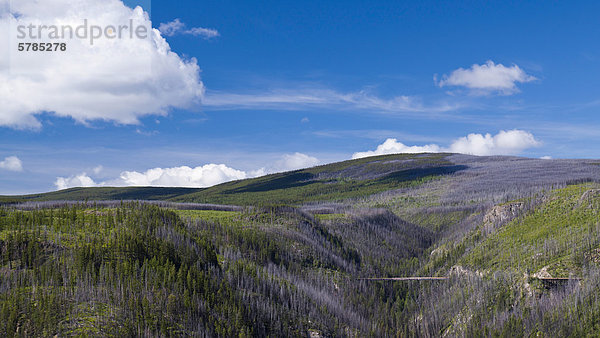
559, 235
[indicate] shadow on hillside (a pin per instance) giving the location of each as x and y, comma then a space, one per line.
298, 179
288, 180
418, 173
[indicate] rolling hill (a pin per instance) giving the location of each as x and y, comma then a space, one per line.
354, 179
337, 180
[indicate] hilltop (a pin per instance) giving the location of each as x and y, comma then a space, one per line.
355, 179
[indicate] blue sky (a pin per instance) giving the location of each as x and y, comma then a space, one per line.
328, 79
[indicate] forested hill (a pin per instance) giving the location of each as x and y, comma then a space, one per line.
103, 194
291, 255
343, 180
350, 178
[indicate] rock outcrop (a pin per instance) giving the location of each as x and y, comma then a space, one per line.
504, 213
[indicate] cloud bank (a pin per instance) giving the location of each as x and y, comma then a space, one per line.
198, 177
510, 142
81, 180
118, 80
11, 163
184, 176
487, 78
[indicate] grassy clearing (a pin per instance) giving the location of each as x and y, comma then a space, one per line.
210, 215
559, 235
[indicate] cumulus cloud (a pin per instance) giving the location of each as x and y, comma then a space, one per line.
184, 176
287, 162
392, 146
488, 78
81, 180
504, 143
11, 163
295, 161
177, 27
198, 177
113, 79
510, 142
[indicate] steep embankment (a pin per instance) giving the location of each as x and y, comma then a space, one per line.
134, 269
561, 234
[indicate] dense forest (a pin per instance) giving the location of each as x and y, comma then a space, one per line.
517, 239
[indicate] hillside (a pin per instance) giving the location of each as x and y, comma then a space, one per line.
356, 179
332, 181
103, 194
291, 258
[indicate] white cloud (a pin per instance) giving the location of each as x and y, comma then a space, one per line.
184, 176
207, 33
302, 98
488, 78
171, 28
198, 177
81, 180
258, 173
11, 163
546, 157
504, 143
392, 146
177, 27
116, 80
510, 142
295, 161
287, 162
